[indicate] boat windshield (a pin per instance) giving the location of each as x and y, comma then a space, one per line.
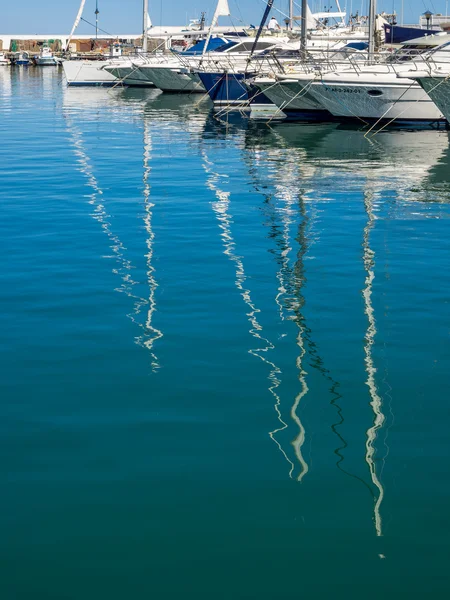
409, 52
225, 47
442, 48
246, 47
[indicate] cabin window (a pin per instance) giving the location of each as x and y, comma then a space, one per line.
375, 93
247, 46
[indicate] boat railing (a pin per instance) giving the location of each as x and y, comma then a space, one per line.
435, 63
314, 61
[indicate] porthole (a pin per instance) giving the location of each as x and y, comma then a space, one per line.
375, 93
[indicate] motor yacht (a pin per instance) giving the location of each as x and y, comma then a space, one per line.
21, 59
363, 90
45, 58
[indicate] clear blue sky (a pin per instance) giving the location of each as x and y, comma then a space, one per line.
124, 16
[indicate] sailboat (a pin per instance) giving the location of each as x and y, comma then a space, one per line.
125, 70
230, 82
94, 72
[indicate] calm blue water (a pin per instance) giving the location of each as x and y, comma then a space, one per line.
225, 352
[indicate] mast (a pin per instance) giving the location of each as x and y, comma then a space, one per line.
304, 27
222, 10
96, 19
372, 22
145, 28
291, 14
76, 22
261, 25
339, 10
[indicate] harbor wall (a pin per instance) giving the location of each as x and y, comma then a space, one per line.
21, 41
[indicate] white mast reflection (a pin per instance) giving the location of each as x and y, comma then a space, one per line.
290, 194
221, 210
152, 334
287, 212
123, 265
376, 401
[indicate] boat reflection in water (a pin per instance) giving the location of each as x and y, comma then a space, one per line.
411, 163
5, 88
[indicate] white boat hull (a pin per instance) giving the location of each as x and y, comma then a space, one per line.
401, 100
292, 99
87, 72
438, 88
173, 79
45, 62
129, 75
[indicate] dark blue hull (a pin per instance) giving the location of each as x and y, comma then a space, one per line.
229, 89
396, 34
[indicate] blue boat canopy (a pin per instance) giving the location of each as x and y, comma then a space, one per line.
357, 45
214, 44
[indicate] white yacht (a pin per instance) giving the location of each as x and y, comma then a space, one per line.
284, 89
45, 58
366, 92
91, 72
170, 75
228, 77
21, 58
3, 60
127, 72
180, 73
87, 72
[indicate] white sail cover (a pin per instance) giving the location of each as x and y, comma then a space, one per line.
222, 10
77, 22
313, 19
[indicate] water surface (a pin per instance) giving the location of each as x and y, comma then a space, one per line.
224, 352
